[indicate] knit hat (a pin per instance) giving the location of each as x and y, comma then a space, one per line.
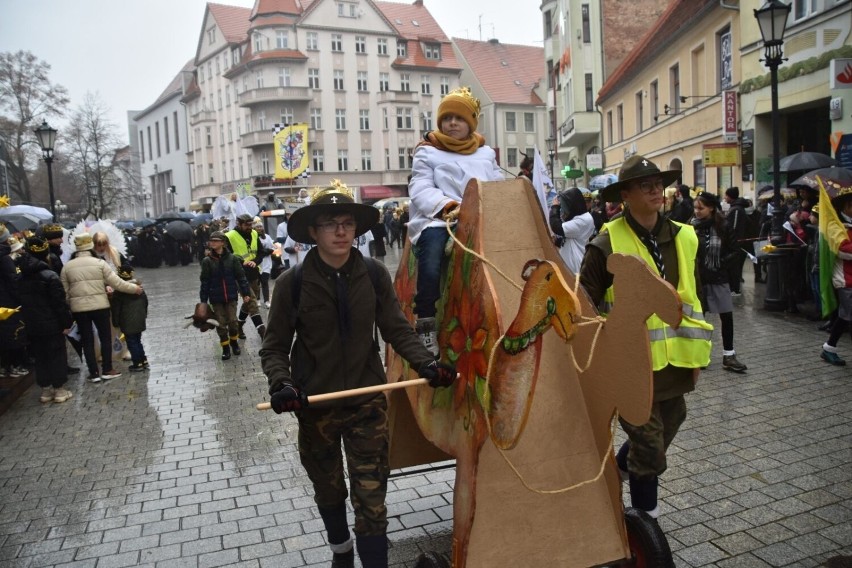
4, 233
217, 236
335, 199
462, 103
52, 231
83, 241
38, 247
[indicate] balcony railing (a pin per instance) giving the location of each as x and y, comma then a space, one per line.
272, 94
398, 97
202, 116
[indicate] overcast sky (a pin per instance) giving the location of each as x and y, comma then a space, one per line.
129, 51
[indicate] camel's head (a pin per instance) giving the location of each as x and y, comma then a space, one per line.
547, 292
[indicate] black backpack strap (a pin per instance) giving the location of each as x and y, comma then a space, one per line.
373, 269
295, 295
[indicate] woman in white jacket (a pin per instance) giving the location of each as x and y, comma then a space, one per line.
573, 225
85, 279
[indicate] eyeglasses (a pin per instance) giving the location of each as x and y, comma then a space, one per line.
650, 185
349, 226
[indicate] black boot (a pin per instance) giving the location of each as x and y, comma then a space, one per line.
343, 560
226, 352
235, 347
337, 530
242, 334
258, 324
621, 460
373, 551
643, 494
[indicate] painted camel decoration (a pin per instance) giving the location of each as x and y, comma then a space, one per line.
549, 426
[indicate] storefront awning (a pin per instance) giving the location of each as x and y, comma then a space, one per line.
380, 192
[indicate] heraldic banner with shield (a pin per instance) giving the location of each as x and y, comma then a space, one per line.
291, 150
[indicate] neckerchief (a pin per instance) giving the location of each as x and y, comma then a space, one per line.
441, 141
649, 239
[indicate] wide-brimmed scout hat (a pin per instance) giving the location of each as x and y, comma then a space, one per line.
336, 199
635, 168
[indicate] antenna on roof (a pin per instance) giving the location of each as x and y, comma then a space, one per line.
480, 27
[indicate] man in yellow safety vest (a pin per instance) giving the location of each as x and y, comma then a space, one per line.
243, 242
670, 249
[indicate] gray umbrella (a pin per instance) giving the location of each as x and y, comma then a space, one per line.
805, 162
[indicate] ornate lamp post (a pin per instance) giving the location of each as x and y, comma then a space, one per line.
47, 138
772, 19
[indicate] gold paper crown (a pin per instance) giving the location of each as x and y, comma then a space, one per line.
36, 247
464, 93
336, 186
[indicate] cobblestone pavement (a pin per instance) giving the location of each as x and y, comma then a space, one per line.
175, 467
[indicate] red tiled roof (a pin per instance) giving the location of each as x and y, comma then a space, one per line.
672, 24
402, 18
275, 7
273, 20
508, 73
233, 21
192, 91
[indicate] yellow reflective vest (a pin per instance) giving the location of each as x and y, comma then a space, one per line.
240, 247
689, 345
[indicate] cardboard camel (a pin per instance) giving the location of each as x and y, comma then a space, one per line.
549, 426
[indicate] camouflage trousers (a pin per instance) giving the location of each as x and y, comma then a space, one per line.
649, 442
226, 315
251, 307
363, 430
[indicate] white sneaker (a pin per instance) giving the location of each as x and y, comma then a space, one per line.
47, 394
62, 394
94, 378
111, 374
18, 372
266, 304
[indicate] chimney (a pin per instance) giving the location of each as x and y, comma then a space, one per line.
418, 3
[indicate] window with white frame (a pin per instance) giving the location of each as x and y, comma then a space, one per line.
364, 119
245, 82
385, 117
343, 160
347, 10
250, 167
210, 173
401, 48
336, 42
362, 81
235, 56
233, 172
640, 111
316, 119
405, 82
240, 163
427, 120
259, 79
281, 39
674, 87
284, 77
248, 122
338, 79
511, 157
360, 44
387, 159
312, 41
619, 121
230, 132
209, 70
404, 118
340, 119
510, 121
258, 42
432, 51
219, 98
221, 135
804, 8
261, 120
529, 122
445, 85
225, 61
264, 163
313, 78
382, 46
208, 132
228, 95
401, 157
218, 70
211, 35
425, 84
384, 81
318, 160
366, 160
287, 115
239, 128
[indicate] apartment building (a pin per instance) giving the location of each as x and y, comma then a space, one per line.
366, 77
158, 142
509, 81
584, 41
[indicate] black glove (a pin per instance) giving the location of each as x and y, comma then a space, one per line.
438, 374
288, 399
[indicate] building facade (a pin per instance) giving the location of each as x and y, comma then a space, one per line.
158, 139
365, 77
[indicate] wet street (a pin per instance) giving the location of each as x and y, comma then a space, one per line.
175, 467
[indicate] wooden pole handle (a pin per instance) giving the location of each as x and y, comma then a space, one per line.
355, 392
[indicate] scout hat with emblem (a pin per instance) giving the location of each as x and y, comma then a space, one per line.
336, 199
636, 168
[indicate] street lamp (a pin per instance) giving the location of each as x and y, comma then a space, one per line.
47, 138
61, 208
772, 20
551, 153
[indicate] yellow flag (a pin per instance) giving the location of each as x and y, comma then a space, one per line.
832, 233
291, 150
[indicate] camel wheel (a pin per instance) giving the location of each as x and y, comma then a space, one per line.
432, 560
648, 544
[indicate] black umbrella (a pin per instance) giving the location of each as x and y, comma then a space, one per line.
178, 230
173, 215
805, 162
835, 180
201, 218
142, 223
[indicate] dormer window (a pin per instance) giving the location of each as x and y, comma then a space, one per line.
401, 49
432, 51
347, 10
281, 39
211, 35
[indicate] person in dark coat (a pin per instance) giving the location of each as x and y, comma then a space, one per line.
48, 319
736, 222
682, 211
13, 334
129, 312
378, 244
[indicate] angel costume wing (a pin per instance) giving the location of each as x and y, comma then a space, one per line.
106, 226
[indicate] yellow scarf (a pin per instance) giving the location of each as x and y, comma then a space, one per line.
441, 141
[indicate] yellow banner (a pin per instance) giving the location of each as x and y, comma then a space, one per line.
291, 150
